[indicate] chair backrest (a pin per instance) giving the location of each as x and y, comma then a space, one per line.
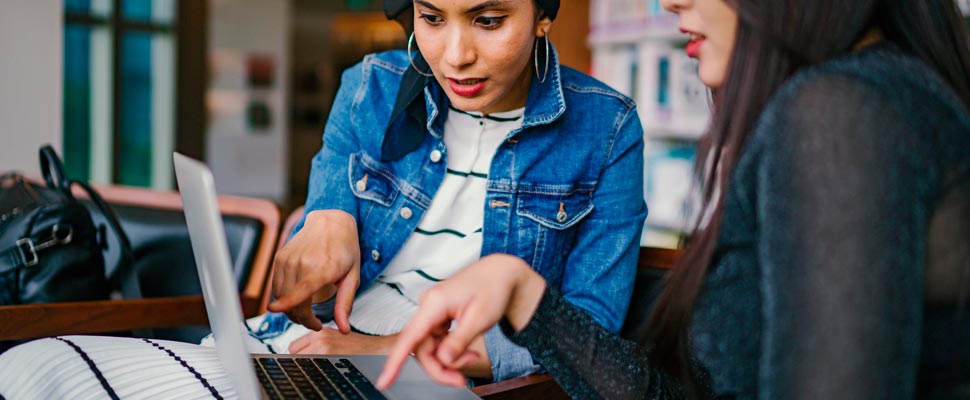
165, 270
652, 266
164, 264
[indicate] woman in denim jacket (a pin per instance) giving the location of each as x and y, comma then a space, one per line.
558, 186
563, 190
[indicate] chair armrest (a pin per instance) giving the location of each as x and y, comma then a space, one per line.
104, 316
658, 258
527, 387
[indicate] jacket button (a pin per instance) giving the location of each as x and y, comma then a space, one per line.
361, 185
406, 213
561, 216
375, 255
435, 156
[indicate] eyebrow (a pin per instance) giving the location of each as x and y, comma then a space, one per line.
475, 9
485, 5
427, 4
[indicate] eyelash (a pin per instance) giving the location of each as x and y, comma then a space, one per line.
431, 19
490, 22
485, 22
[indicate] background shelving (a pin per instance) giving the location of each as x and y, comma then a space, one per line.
639, 50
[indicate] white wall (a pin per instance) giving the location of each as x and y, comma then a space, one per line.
243, 161
31, 62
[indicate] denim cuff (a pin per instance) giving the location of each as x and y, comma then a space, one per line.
508, 359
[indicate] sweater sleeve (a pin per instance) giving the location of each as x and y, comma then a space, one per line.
588, 361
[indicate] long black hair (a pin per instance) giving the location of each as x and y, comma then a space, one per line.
776, 38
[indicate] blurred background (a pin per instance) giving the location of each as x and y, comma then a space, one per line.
246, 85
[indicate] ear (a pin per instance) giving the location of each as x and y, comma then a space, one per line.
543, 26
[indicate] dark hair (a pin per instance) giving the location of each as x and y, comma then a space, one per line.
774, 40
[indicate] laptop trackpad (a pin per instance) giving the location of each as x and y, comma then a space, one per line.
412, 383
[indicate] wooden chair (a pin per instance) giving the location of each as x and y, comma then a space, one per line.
651, 266
138, 208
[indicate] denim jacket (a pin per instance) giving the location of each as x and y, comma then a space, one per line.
564, 192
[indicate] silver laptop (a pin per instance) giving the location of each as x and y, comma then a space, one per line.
272, 376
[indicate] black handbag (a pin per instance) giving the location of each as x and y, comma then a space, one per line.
50, 248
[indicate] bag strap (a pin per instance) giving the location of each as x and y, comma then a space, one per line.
21, 254
52, 167
129, 283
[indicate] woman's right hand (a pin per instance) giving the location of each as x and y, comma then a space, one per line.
474, 299
322, 258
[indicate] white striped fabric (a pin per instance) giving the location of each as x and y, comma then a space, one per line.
449, 236
129, 368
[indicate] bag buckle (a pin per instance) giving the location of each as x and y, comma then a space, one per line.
29, 250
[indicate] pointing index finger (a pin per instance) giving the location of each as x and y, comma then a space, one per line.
429, 316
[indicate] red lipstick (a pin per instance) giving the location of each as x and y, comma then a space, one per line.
467, 87
694, 45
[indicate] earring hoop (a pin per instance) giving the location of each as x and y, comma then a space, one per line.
545, 74
411, 59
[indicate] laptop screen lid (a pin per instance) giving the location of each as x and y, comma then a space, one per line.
208, 237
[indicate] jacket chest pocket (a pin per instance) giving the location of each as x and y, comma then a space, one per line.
374, 188
549, 218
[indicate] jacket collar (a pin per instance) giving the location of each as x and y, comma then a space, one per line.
410, 119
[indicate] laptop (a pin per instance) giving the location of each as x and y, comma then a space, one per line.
276, 376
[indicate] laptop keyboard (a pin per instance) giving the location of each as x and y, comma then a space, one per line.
313, 378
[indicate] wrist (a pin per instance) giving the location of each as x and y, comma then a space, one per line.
526, 294
333, 215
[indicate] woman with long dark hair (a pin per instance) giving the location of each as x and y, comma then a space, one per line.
832, 258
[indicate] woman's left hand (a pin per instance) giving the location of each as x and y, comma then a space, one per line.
332, 341
475, 299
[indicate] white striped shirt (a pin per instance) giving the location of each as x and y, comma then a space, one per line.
449, 235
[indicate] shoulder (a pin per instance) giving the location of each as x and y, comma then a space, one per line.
393, 61
882, 83
377, 74
861, 97
876, 107
581, 89
369, 88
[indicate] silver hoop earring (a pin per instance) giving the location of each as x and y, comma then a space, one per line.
411, 59
545, 74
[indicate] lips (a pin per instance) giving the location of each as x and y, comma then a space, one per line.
694, 45
469, 87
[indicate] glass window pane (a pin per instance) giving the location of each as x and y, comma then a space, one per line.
157, 11
77, 96
87, 102
98, 8
77, 5
136, 110
147, 132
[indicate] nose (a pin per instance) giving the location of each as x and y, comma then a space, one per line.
675, 6
459, 50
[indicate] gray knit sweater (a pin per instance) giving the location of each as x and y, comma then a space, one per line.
843, 258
